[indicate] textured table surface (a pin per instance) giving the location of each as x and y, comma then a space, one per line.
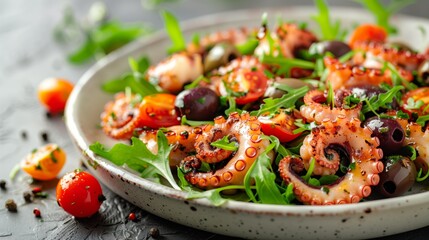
28, 54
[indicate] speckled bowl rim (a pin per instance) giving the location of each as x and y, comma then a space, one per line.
280, 210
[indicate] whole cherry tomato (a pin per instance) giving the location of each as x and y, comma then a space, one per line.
416, 101
280, 125
368, 32
79, 193
250, 84
158, 110
44, 163
53, 94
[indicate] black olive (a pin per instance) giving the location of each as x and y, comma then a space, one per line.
337, 48
198, 103
398, 176
219, 55
388, 131
423, 72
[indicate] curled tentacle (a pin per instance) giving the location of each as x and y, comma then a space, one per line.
121, 116
175, 71
324, 144
404, 58
314, 109
344, 75
419, 140
182, 138
247, 131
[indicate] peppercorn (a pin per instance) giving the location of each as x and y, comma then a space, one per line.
11, 205
27, 197
45, 137
37, 213
154, 232
3, 184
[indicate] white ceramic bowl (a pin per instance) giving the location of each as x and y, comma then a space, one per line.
247, 220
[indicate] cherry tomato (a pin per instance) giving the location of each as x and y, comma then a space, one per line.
251, 83
416, 101
280, 125
44, 163
53, 94
79, 193
158, 110
368, 32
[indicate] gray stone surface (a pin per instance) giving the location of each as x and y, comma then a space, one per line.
28, 54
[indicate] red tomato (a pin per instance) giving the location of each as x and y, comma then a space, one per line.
280, 125
158, 110
416, 101
252, 83
368, 32
79, 194
53, 94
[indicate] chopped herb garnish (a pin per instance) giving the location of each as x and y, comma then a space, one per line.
248, 47
172, 27
196, 82
286, 63
193, 123
225, 144
381, 100
421, 120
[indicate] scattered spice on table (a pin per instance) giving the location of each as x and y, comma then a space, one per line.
27, 197
11, 205
37, 213
154, 232
24, 135
2, 184
132, 217
45, 137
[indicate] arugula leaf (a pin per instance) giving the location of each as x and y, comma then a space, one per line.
196, 82
397, 76
381, 100
172, 27
286, 101
193, 123
264, 178
248, 47
286, 63
232, 106
421, 120
213, 194
138, 157
329, 31
224, 143
383, 13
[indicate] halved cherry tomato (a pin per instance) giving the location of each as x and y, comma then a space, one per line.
53, 94
368, 32
251, 83
280, 125
44, 163
80, 194
158, 110
416, 101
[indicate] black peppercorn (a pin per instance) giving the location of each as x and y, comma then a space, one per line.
11, 205
3, 184
28, 197
154, 232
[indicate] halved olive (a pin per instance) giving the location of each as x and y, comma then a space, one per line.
388, 131
219, 55
398, 176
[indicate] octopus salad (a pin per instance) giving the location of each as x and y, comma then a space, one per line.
277, 115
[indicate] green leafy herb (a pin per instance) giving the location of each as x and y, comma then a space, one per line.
329, 31
421, 178
397, 77
421, 120
138, 157
382, 100
232, 106
330, 99
303, 126
383, 13
214, 195
247, 47
286, 63
225, 144
172, 27
328, 179
288, 100
409, 151
193, 123
196, 82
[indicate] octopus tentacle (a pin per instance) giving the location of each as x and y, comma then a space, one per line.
357, 181
400, 57
246, 130
121, 116
314, 109
174, 72
419, 140
345, 75
182, 138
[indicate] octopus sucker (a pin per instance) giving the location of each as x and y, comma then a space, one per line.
315, 110
242, 128
182, 138
358, 146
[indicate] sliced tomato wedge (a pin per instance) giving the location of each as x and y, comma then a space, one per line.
368, 32
280, 125
247, 84
158, 110
416, 101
